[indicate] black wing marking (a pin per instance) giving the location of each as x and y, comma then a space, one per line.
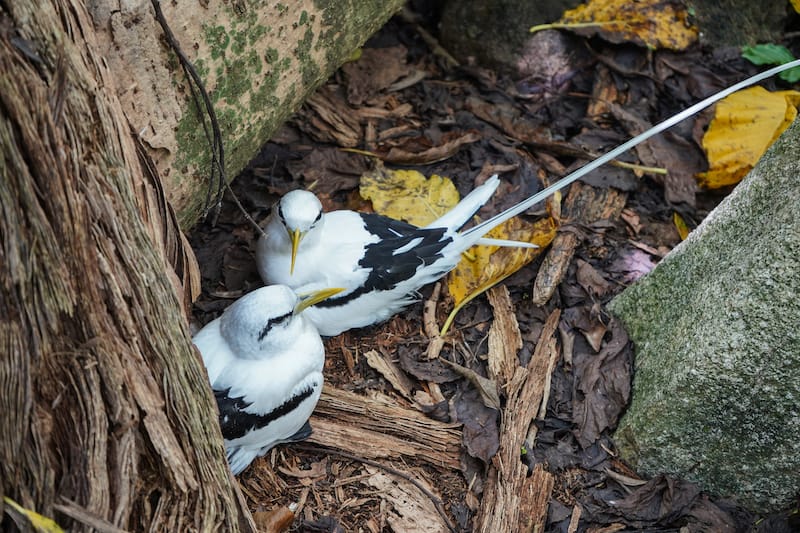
388, 268
236, 422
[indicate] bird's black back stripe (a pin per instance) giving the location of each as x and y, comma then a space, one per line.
271, 322
388, 268
235, 422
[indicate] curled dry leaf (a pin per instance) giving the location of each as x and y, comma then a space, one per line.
489, 265
419, 154
745, 124
485, 386
408, 195
650, 23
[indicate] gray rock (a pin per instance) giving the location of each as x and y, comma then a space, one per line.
716, 392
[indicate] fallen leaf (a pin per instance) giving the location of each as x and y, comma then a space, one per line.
745, 124
663, 502
603, 385
680, 225
481, 431
489, 265
772, 54
591, 280
632, 264
485, 386
274, 520
449, 145
373, 71
408, 195
423, 370
40, 523
650, 23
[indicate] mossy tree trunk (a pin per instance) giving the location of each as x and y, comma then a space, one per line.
258, 59
107, 420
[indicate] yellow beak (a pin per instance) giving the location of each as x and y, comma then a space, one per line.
296, 237
315, 297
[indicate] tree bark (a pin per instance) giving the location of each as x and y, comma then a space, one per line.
717, 381
108, 421
259, 61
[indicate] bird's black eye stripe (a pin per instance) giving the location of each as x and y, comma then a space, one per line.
280, 213
271, 322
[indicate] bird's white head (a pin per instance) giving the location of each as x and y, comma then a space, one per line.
269, 319
300, 212
260, 321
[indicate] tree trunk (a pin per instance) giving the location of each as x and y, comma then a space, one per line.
107, 419
259, 61
717, 382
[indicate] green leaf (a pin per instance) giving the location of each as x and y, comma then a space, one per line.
772, 54
792, 75
767, 54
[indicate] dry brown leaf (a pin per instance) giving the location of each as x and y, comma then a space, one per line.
651, 23
450, 145
485, 386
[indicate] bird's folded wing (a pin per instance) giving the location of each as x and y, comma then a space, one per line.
401, 249
238, 416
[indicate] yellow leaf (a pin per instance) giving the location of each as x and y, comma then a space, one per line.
745, 124
489, 265
680, 225
408, 195
40, 523
651, 23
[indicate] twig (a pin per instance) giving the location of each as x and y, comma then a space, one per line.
437, 503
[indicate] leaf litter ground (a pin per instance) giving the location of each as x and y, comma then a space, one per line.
506, 421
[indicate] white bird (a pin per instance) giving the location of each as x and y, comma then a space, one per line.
379, 261
264, 360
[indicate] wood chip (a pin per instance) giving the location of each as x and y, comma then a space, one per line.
505, 340
536, 492
393, 373
584, 205
377, 427
574, 519
504, 489
411, 510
